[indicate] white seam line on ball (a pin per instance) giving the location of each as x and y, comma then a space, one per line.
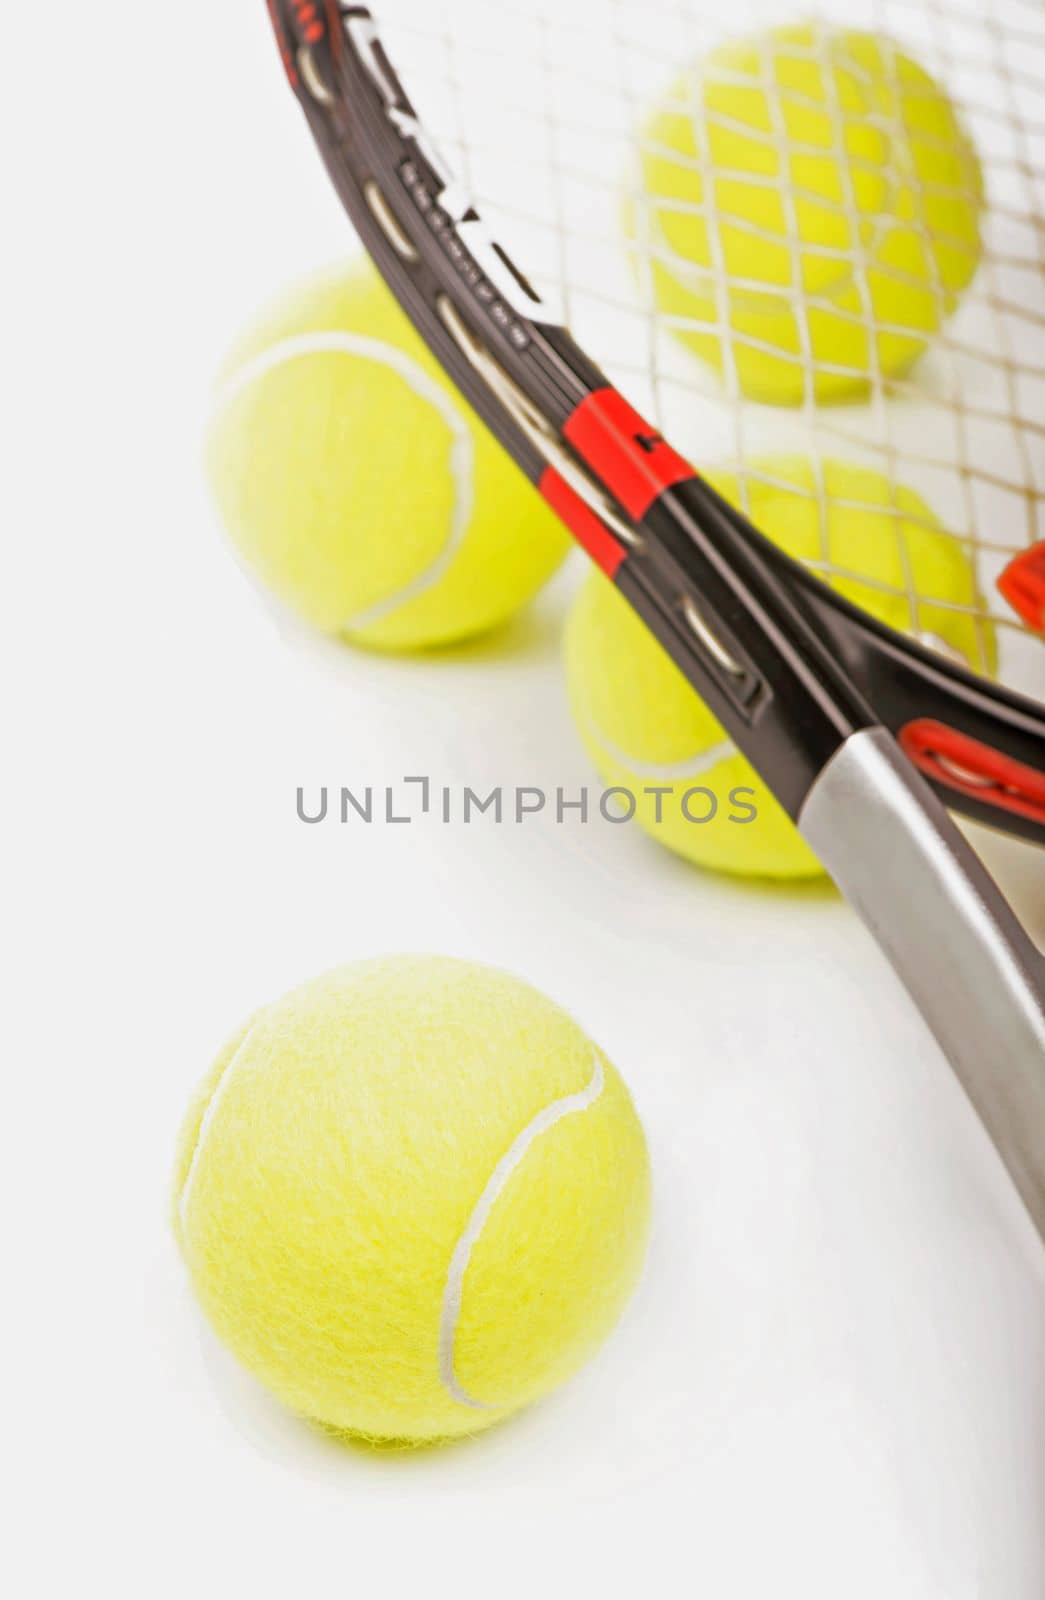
695, 766
504, 1170
206, 1120
462, 449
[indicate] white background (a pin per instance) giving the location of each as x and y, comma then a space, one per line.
832, 1380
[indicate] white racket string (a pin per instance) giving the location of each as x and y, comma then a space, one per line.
541, 110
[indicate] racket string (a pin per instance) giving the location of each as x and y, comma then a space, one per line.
539, 109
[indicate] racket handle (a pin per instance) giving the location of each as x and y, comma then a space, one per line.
951, 936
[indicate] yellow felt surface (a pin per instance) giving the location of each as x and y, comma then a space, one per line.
335, 1155
334, 477
643, 724
809, 211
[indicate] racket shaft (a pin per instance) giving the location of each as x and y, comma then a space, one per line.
937, 914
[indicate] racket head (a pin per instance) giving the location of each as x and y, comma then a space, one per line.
544, 112
540, 118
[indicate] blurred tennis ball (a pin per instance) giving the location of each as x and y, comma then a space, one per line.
647, 730
808, 207
412, 1197
360, 487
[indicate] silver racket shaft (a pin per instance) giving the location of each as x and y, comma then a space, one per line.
951, 936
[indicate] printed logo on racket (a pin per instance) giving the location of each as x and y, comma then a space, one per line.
444, 203
306, 30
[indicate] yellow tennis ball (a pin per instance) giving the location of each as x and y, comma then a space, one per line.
412, 1197
650, 734
808, 208
360, 487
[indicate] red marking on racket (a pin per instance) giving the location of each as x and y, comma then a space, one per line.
963, 763
1023, 585
626, 451
310, 22
285, 48
594, 536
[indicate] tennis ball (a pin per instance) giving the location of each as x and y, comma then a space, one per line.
646, 729
412, 1197
359, 486
808, 209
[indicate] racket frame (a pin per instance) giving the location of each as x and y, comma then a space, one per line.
810, 689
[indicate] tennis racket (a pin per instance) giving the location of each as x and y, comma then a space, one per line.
863, 733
